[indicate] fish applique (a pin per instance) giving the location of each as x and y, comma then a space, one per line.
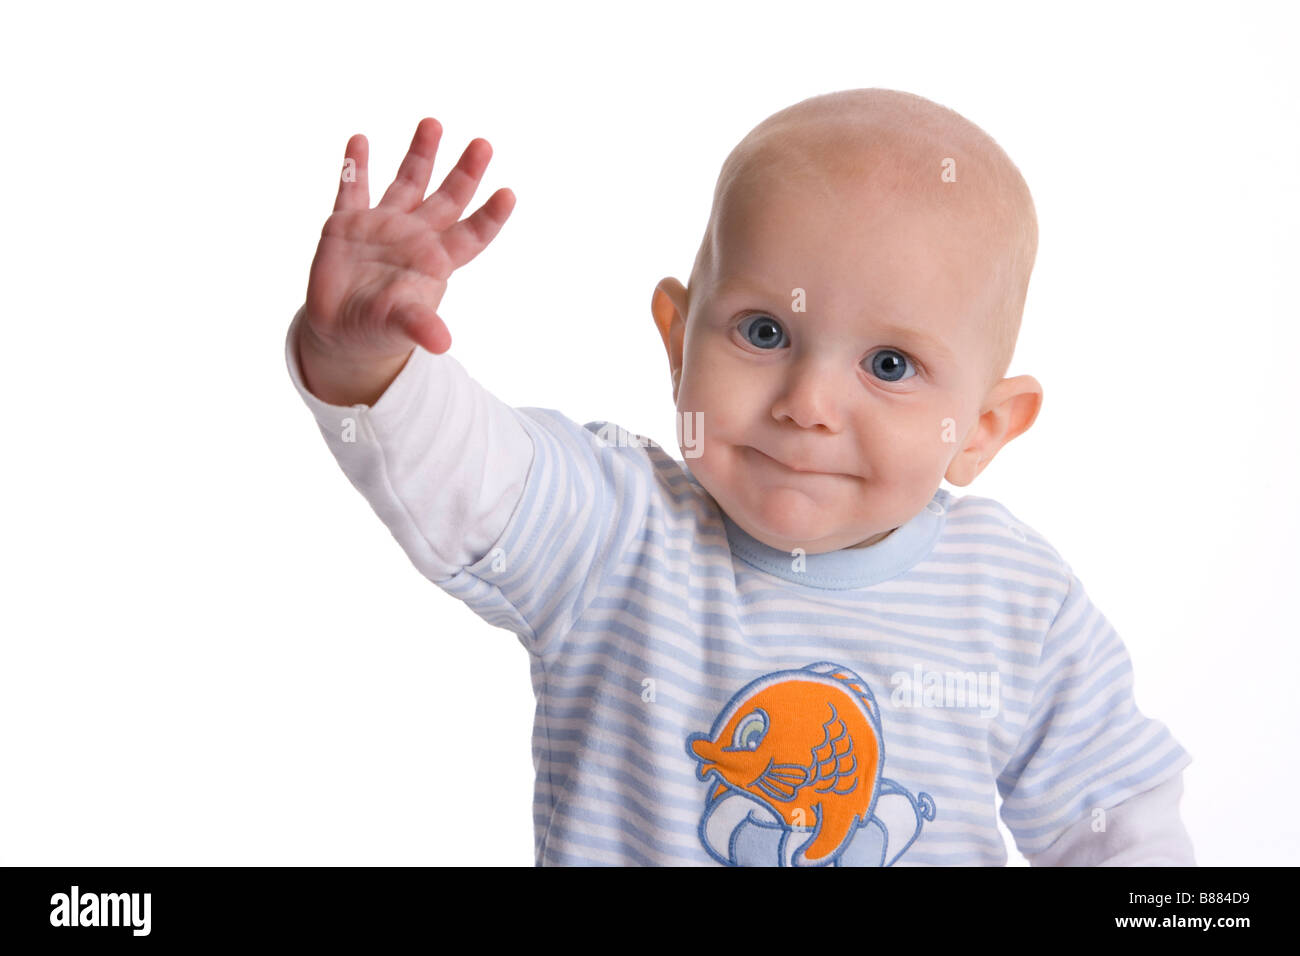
794, 762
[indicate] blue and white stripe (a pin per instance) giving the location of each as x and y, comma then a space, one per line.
616, 567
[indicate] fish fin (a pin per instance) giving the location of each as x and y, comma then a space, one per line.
833, 760
836, 825
782, 781
860, 688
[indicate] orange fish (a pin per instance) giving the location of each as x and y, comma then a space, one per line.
805, 742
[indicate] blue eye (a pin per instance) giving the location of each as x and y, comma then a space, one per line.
888, 365
750, 731
762, 331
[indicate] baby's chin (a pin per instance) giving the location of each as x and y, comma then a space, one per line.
787, 519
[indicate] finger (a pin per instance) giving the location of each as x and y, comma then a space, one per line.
422, 326
354, 188
413, 176
445, 206
469, 237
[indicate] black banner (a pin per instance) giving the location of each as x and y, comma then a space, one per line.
929, 906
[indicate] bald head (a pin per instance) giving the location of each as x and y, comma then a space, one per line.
899, 145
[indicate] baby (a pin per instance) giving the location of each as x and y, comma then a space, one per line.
792, 648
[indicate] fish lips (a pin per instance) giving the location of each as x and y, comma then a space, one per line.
701, 748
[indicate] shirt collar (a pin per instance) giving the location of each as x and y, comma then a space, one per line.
848, 567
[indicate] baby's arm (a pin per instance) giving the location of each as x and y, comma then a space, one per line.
441, 460
519, 513
1145, 830
1086, 747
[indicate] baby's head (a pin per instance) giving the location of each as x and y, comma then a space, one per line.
850, 316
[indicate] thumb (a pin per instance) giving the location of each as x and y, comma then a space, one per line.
422, 325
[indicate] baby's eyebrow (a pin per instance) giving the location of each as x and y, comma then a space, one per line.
924, 341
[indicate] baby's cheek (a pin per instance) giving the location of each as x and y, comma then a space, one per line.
689, 398
919, 454
710, 410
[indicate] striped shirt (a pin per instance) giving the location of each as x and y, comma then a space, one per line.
703, 698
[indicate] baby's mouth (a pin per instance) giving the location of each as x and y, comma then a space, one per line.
779, 463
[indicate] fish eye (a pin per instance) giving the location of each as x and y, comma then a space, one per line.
888, 365
762, 331
750, 731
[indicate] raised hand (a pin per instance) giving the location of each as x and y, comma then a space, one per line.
379, 274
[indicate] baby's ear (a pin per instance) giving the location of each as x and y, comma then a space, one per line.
668, 303
964, 468
1019, 400
1011, 407
668, 308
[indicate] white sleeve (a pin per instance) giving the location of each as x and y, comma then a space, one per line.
1084, 744
441, 460
1144, 830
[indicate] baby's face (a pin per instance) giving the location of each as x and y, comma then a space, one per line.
836, 354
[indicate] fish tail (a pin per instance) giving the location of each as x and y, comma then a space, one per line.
925, 805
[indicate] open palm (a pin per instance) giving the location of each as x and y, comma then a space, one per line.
379, 274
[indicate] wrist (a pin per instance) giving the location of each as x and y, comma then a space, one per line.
342, 378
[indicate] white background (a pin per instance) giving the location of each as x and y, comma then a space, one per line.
213, 651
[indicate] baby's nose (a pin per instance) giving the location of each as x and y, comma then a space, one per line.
810, 396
